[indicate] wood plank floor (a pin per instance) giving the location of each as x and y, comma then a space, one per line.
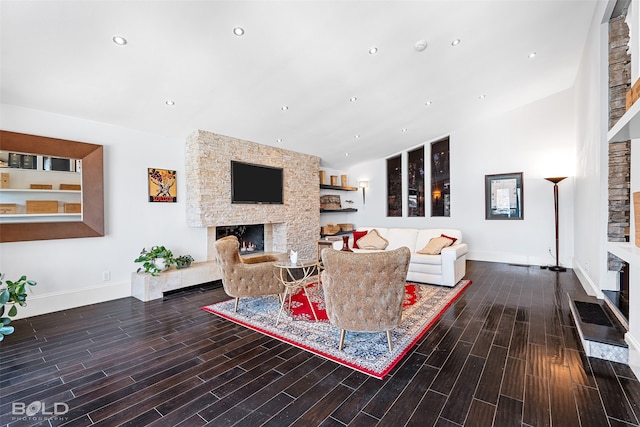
505, 354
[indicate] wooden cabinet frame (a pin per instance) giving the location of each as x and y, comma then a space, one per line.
92, 224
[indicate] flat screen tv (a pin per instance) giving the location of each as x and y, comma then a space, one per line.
256, 184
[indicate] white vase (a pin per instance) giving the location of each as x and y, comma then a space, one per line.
161, 264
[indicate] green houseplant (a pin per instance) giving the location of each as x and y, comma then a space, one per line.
184, 261
12, 294
155, 260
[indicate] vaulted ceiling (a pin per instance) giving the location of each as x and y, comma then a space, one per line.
301, 76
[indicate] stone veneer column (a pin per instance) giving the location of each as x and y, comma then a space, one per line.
295, 224
619, 152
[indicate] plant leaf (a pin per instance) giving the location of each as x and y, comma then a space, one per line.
6, 330
12, 311
4, 296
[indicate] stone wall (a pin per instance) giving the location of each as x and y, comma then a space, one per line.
619, 152
292, 225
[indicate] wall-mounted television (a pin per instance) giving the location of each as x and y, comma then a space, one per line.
256, 183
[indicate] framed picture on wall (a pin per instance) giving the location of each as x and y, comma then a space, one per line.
162, 185
504, 196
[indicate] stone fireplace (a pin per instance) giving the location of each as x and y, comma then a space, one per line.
295, 224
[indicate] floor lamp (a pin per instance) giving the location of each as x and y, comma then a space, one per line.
555, 181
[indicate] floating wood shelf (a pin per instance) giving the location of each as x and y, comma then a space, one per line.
337, 187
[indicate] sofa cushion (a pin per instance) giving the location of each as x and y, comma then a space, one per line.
435, 246
356, 236
399, 237
372, 240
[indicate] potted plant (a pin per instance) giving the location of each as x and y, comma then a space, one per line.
184, 261
155, 260
12, 294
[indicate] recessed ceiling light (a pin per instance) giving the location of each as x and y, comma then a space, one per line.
284, 108
119, 40
356, 136
532, 55
279, 140
428, 103
373, 50
456, 42
483, 96
238, 31
404, 129
420, 45
353, 99
170, 102
346, 154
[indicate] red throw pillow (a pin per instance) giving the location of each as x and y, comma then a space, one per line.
449, 237
356, 236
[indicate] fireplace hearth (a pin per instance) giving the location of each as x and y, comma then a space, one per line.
251, 237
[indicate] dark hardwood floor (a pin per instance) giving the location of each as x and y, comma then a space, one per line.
505, 354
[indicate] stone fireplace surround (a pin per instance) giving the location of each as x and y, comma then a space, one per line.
292, 225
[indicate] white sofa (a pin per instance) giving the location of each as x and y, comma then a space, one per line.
445, 269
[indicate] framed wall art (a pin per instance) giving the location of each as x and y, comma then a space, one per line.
162, 185
504, 196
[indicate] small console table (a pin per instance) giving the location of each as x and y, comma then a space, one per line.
146, 287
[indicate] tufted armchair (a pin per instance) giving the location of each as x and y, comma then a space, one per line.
364, 292
245, 277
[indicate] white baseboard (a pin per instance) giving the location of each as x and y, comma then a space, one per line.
634, 353
48, 303
589, 286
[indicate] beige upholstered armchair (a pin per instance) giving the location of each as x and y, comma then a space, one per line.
245, 277
364, 292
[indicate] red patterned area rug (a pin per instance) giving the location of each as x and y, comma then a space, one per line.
365, 352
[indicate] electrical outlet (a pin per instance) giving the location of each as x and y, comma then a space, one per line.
106, 276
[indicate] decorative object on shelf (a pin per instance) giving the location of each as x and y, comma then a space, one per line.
41, 206
5, 180
363, 185
345, 244
636, 214
504, 196
555, 181
345, 227
162, 185
70, 187
343, 181
184, 261
73, 208
323, 177
334, 180
330, 229
155, 260
12, 294
293, 256
330, 201
8, 208
41, 186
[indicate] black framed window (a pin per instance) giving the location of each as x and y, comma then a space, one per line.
440, 178
416, 182
394, 186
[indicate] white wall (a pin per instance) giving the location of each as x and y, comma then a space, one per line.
69, 272
591, 196
538, 140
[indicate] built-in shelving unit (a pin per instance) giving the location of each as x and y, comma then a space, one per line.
627, 127
345, 210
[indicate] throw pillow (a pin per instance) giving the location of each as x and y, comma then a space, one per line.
372, 240
356, 236
257, 259
435, 246
453, 239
